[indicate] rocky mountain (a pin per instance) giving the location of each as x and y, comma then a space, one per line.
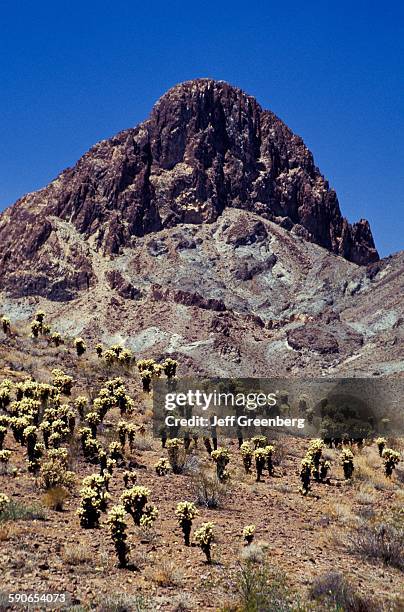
206, 147
206, 232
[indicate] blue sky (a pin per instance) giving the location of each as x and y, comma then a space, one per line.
73, 73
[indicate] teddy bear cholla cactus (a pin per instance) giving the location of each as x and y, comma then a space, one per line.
4, 501
176, 454
80, 346
89, 511
391, 459
260, 457
347, 463
248, 533
381, 443
221, 457
247, 453
162, 467
134, 501
100, 485
204, 537
150, 513
6, 325
305, 474
259, 441
314, 454
118, 527
5, 456
3, 433
186, 512
129, 478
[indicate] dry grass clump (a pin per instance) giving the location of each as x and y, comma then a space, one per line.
77, 554
165, 573
55, 498
335, 592
379, 542
207, 489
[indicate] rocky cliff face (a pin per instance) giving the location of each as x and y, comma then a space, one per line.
206, 147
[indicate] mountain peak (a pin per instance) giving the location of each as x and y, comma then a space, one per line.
206, 146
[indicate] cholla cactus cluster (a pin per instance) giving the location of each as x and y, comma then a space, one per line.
391, 459
314, 454
149, 515
118, 527
129, 479
5, 456
347, 463
100, 484
63, 382
4, 501
54, 471
186, 512
248, 533
116, 354
221, 457
204, 537
56, 339
162, 467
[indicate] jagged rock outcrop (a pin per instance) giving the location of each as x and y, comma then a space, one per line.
206, 147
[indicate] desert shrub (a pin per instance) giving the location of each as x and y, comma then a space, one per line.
89, 511
248, 533
77, 554
80, 346
186, 512
134, 501
54, 472
380, 542
176, 455
247, 453
166, 574
55, 498
16, 511
347, 463
305, 475
162, 467
391, 458
118, 527
334, 590
208, 489
221, 457
259, 587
